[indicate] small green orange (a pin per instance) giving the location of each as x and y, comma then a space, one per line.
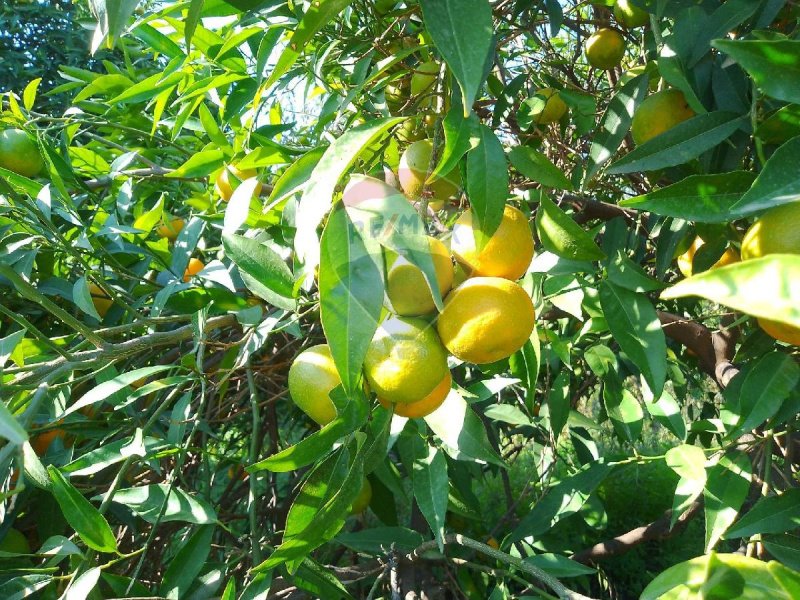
19, 153
605, 48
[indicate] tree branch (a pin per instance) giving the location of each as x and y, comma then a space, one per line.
657, 530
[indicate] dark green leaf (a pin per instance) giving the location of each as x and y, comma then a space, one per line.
460, 135
263, 271
81, 515
148, 500
635, 326
778, 183
773, 64
538, 168
462, 31
378, 540
773, 514
563, 236
187, 564
680, 144
431, 490
699, 198
667, 411
726, 489
487, 181
200, 164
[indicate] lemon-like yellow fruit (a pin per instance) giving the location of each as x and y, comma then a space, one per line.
507, 253
423, 83
15, 542
229, 179
552, 109
19, 153
362, 188
777, 231
425, 406
651, 71
781, 331
405, 360
100, 299
172, 229
361, 503
658, 113
312, 377
686, 260
413, 169
605, 48
486, 319
630, 16
406, 287
193, 268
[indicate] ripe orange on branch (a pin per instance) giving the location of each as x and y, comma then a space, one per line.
312, 377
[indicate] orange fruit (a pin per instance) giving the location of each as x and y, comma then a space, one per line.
685, 260
605, 48
312, 377
170, 230
100, 299
19, 153
508, 253
630, 16
425, 406
413, 170
486, 319
781, 331
406, 287
193, 268
658, 113
361, 503
776, 232
229, 179
40, 442
550, 109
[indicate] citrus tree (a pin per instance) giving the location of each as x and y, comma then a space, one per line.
422, 299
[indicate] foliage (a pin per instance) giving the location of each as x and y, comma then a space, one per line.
150, 447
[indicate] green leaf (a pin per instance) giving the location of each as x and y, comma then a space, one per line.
765, 287
538, 168
147, 501
112, 18
460, 135
320, 581
96, 460
10, 428
774, 65
29, 95
148, 88
431, 490
317, 16
562, 500
777, 184
559, 566
625, 412
461, 431
83, 298
81, 515
699, 198
81, 586
462, 31
773, 514
615, 124
187, 564
768, 383
318, 195
351, 294
726, 490
377, 540
295, 177
784, 547
780, 126
108, 388
192, 19
558, 403
562, 236
487, 181
680, 144
23, 586
635, 326
689, 462
667, 411
200, 164
263, 271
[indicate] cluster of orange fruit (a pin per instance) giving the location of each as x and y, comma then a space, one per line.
486, 315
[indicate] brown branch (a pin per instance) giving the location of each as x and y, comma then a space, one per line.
657, 530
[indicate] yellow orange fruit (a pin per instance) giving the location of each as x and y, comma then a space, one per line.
312, 377
362, 188
777, 231
40, 442
193, 268
229, 179
19, 153
405, 360
170, 230
658, 113
425, 406
423, 83
486, 319
630, 16
686, 260
361, 503
414, 168
781, 331
406, 287
507, 253
102, 302
550, 108
605, 48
